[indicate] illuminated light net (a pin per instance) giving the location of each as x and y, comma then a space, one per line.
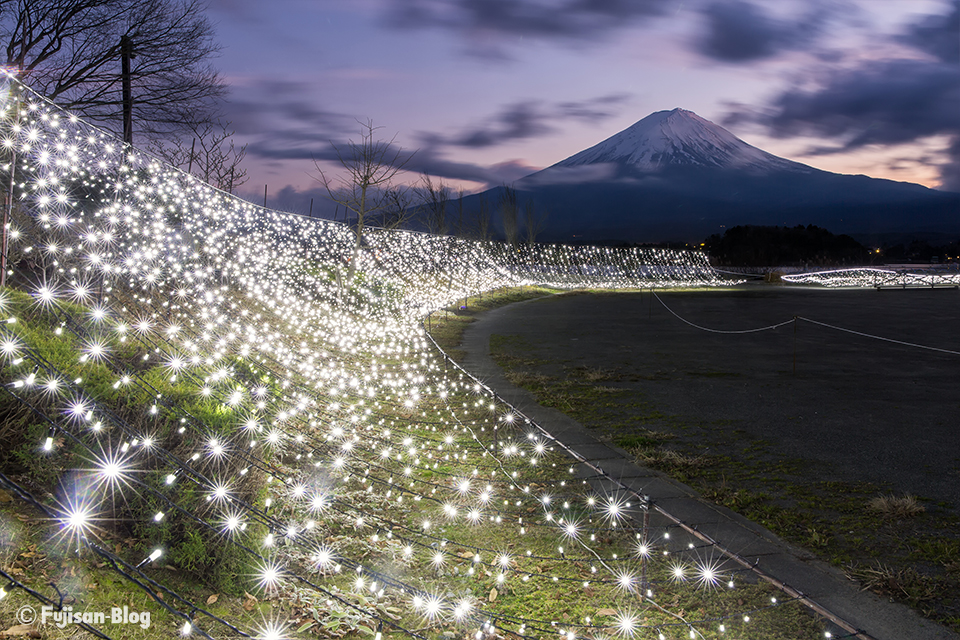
861, 277
213, 375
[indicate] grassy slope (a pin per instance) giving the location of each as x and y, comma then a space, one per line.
28, 551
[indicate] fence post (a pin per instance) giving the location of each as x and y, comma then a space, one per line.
794, 345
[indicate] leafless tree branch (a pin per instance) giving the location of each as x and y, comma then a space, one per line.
69, 51
365, 185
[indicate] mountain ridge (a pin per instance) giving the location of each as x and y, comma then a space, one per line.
675, 176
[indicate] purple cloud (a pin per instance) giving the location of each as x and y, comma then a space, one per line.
487, 24
884, 102
739, 31
938, 35
528, 119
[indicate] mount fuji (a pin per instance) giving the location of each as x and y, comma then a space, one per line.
679, 138
674, 176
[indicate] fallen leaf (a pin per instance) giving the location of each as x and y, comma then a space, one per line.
249, 601
606, 612
27, 630
213, 598
493, 594
5, 497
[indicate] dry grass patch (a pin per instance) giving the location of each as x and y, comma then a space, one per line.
527, 378
603, 389
598, 374
670, 458
905, 584
904, 506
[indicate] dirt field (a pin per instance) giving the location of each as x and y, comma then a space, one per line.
855, 410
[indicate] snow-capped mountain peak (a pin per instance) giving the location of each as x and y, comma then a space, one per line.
679, 138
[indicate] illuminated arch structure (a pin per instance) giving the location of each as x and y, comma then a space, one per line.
220, 378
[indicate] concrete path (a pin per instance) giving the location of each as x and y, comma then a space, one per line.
792, 566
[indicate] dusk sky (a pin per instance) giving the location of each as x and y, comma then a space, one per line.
487, 91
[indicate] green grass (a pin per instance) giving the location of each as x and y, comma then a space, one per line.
206, 570
88, 585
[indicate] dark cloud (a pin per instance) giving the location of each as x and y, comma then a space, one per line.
517, 122
528, 119
886, 102
594, 110
950, 171
740, 31
587, 173
879, 102
432, 163
938, 35
278, 120
266, 103
488, 23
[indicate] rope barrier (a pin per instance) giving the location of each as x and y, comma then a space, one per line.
811, 321
697, 326
868, 335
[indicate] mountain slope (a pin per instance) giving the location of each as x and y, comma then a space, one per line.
679, 138
676, 176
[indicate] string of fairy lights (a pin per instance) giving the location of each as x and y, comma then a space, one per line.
861, 277
204, 364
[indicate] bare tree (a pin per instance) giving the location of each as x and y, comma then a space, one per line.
398, 209
434, 197
70, 51
534, 220
363, 190
483, 219
509, 213
212, 156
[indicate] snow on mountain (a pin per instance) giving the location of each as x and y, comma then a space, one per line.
678, 138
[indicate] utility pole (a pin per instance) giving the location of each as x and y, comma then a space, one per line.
193, 146
126, 53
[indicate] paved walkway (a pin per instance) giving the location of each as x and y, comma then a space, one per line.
792, 566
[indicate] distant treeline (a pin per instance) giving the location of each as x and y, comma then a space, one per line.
760, 246
922, 251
